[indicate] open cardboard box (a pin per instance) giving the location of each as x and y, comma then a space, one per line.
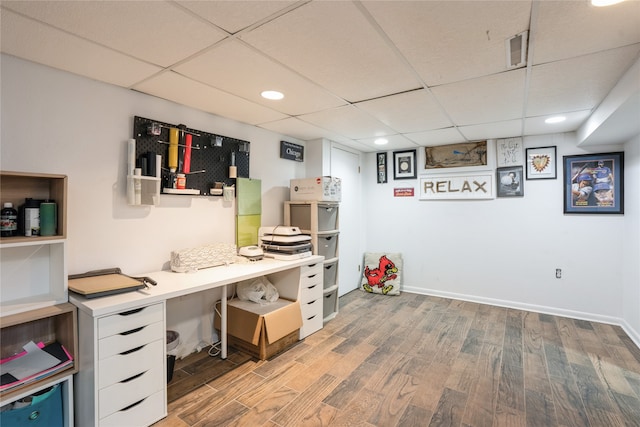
262, 330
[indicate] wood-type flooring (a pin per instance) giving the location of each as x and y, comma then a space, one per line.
416, 360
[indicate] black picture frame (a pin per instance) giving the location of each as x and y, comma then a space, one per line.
404, 164
594, 183
381, 167
510, 181
542, 163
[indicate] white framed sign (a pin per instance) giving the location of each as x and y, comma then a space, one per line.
465, 186
509, 152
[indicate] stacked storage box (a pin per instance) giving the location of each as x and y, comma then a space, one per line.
320, 220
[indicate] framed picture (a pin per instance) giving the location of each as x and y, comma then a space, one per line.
510, 182
456, 155
381, 162
404, 164
509, 152
594, 183
541, 163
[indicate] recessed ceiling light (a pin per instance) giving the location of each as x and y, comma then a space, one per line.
380, 141
555, 119
272, 94
601, 3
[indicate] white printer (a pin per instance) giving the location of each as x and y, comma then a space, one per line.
284, 242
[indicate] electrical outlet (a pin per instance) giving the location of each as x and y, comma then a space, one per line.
558, 273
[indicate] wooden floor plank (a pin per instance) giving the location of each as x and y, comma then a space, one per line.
416, 360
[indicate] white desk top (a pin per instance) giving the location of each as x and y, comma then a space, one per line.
172, 285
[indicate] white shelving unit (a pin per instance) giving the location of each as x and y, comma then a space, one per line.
320, 220
33, 287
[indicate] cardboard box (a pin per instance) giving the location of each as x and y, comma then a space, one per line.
321, 189
262, 330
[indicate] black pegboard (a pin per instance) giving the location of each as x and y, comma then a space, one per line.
205, 155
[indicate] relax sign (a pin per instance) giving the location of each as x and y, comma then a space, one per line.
457, 186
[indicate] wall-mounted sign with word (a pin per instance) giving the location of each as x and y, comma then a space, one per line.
291, 151
457, 186
403, 192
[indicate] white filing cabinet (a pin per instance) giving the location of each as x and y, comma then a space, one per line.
122, 377
311, 298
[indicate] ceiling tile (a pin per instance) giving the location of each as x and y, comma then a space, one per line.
176, 88
493, 130
436, 137
299, 129
566, 29
348, 121
448, 41
333, 44
578, 83
158, 32
241, 70
31, 40
395, 142
407, 112
233, 16
537, 126
492, 98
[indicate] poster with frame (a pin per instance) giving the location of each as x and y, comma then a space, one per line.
404, 164
381, 167
542, 163
594, 183
509, 152
509, 181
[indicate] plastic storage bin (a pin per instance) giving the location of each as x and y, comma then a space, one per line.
44, 410
330, 274
328, 245
302, 216
329, 306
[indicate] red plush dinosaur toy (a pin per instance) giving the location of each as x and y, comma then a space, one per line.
378, 276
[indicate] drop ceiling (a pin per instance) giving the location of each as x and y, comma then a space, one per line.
416, 72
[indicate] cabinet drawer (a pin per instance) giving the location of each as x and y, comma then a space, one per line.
311, 325
306, 281
309, 309
127, 392
122, 366
128, 320
124, 341
143, 413
310, 270
310, 293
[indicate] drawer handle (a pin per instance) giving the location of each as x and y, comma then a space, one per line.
130, 312
133, 350
313, 275
309, 303
312, 286
309, 318
132, 405
311, 265
132, 331
133, 377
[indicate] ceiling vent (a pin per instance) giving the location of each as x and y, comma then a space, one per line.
517, 50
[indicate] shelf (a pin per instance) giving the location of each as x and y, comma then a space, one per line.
33, 275
15, 187
48, 324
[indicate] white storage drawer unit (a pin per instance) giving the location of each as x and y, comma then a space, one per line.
127, 385
311, 298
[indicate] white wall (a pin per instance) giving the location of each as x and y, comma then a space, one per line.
631, 242
56, 122
504, 251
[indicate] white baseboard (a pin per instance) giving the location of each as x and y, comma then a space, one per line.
633, 334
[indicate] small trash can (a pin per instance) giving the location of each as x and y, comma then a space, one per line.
173, 339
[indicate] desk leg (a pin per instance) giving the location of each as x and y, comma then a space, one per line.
223, 323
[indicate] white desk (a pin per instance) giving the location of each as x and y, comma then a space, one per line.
98, 315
